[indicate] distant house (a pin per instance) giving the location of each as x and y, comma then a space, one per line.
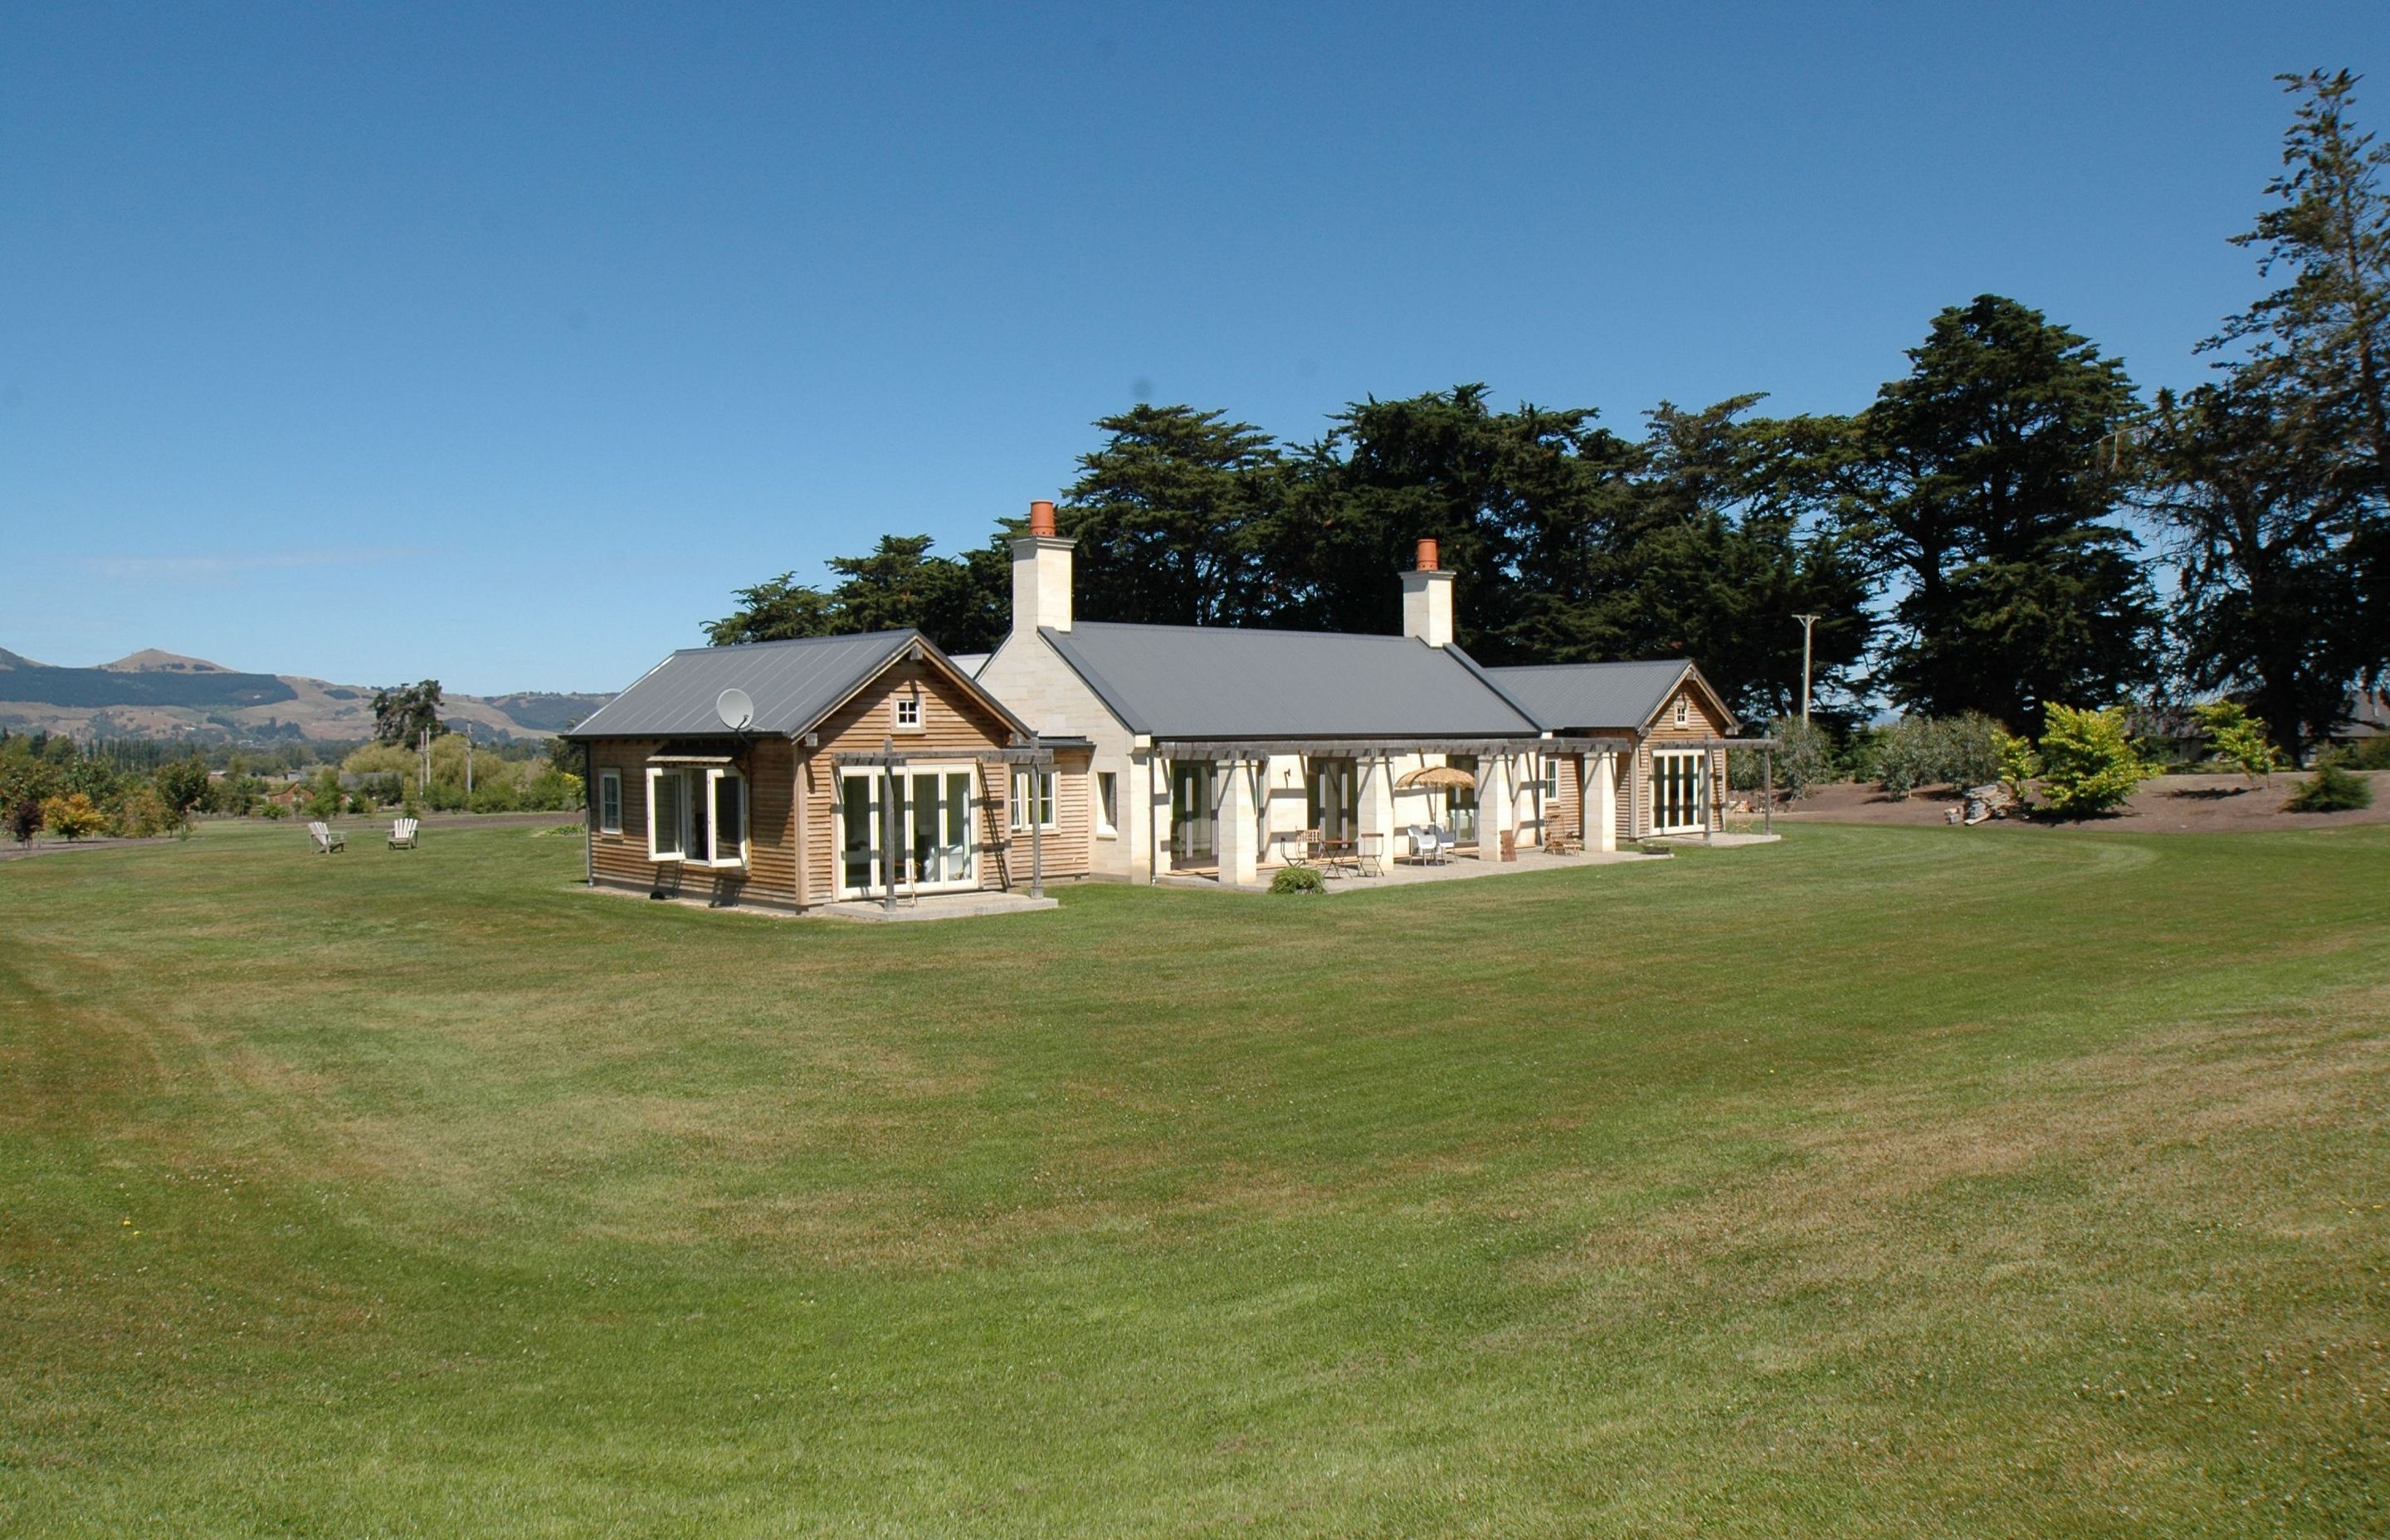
865, 759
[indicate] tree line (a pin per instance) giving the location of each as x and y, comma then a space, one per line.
2009, 526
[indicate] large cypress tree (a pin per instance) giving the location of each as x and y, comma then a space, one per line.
1164, 514
2316, 349
1992, 470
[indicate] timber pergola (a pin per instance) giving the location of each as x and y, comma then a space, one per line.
1259, 748
1484, 746
889, 759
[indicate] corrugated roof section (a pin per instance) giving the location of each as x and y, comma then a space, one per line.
1203, 682
791, 683
1589, 696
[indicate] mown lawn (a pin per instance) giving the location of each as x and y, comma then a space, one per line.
1881, 1182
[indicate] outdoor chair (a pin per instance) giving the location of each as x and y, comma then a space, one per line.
1444, 843
1427, 846
402, 833
326, 840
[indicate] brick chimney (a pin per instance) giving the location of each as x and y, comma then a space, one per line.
1427, 599
1041, 573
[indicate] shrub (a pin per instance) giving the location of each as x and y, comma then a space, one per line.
276, 811
2371, 753
1905, 756
25, 819
1805, 759
2088, 764
1297, 879
146, 813
1966, 749
2020, 766
2238, 738
73, 815
2331, 789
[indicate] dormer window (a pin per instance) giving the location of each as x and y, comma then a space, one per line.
909, 710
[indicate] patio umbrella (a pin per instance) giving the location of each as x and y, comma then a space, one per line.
1444, 777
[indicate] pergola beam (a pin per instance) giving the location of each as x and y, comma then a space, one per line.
1255, 747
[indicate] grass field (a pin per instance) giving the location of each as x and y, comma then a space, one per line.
1881, 1181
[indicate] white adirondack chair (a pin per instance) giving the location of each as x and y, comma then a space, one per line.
326, 840
403, 832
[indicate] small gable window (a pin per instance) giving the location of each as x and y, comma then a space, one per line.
1684, 711
908, 712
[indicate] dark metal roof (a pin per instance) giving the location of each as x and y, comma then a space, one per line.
1206, 682
1591, 696
793, 683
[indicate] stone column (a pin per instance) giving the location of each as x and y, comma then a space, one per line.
1601, 801
1497, 811
1239, 857
1378, 803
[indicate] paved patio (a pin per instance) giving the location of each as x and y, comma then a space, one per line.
1460, 868
936, 906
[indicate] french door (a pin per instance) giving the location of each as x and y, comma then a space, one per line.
1680, 800
932, 825
1194, 840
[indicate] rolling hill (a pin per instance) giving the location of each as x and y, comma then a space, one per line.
157, 694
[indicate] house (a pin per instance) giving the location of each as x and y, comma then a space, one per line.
1211, 748
781, 774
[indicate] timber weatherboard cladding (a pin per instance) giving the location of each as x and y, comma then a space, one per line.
769, 878
955, 729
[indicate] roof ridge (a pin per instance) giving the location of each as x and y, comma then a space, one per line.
1247, 630
712, 651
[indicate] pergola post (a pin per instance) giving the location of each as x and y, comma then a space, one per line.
1768, 774
888, 856
1037, 834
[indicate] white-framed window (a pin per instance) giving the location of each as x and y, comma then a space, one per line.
1032, 788
1107, 804
909, 710
1549, 782
610, 802
697, 815
1684, 715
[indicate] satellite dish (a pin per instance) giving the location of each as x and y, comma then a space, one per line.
735, 708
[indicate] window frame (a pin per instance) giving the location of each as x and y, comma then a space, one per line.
689, 783
910, 698
1107, 804
1021, 797
609, 788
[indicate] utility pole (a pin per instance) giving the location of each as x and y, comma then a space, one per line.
1809, 622
469, 764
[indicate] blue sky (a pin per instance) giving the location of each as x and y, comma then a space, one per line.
425, 340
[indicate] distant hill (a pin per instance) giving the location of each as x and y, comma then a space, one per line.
157, 694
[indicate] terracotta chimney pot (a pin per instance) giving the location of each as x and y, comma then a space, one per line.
1427, 556
1041, 518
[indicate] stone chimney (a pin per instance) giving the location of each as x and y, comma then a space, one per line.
1427, 599
1041, 573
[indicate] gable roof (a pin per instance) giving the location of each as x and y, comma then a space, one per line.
793, 683
1218, 682
1584, 696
